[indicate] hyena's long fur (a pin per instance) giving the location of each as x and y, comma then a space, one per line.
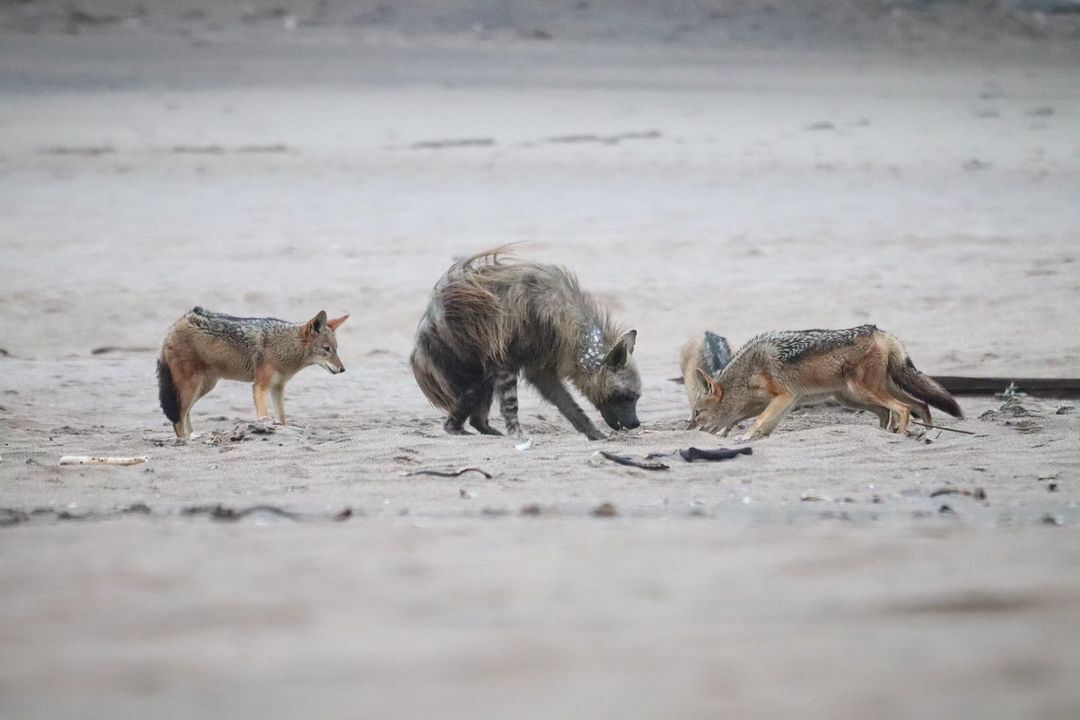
492, 318
863, 366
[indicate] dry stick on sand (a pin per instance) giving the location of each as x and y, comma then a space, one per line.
633, 461
102, 460
449, 473
939, 427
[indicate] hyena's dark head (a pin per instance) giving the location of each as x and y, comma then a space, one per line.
615, 387
320, 342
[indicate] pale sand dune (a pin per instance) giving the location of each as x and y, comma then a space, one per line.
691, 187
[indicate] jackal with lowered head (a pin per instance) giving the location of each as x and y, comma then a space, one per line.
707, 355
863, 367
203, 347
492, 317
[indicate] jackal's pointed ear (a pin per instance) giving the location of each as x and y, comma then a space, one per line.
333, 323
316, 324
619, 354
712, 388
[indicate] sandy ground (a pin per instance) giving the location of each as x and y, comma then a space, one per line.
259, 172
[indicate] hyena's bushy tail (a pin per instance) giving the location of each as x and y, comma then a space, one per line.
430, 374
922, 386
167, 394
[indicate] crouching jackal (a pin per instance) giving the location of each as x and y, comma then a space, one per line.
203, 347
491, 318
863, 367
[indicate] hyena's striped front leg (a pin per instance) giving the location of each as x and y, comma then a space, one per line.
553, 390
506, 389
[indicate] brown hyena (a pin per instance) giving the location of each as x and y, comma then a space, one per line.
492, 318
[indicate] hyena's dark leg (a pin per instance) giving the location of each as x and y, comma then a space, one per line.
506, 387
464, 404
553, 390
479, 416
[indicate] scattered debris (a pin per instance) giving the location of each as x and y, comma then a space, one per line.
228, 514
605, 510
1064, 410
644, 464
821, 125
692, 454
535, 34
807, 497
465, 494
84, 150
977, 493
14, 516
975, 164
524, 444
239, 433
603, 139
494, 512
102, 460
939, 427
1052, 487
945, 510
531, 510
1050, 519
449, 473
463, 142
1041, 111
106, 349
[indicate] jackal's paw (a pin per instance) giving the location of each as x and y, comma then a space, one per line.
487, 430
594, 434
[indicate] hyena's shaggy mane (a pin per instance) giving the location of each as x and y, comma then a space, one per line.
492, 298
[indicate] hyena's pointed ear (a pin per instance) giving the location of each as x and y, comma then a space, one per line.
619, 354
333, 323
316, 324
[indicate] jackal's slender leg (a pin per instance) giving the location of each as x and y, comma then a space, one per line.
883, 415
259, 389
553, 390
774, 413
277, 395
188, 391
883, 398
479, 417
506, 388
918, 408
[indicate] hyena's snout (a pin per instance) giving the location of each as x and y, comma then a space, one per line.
621, 415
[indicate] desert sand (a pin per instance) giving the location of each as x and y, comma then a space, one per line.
268, 164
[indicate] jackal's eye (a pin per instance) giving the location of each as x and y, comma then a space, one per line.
327, 349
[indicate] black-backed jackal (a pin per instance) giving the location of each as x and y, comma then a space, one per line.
203, 347
863, 367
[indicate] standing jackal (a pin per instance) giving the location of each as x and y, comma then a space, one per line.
491, 318
863, 367
203, 347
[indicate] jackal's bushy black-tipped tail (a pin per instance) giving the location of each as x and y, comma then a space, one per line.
170, 399
924, 387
